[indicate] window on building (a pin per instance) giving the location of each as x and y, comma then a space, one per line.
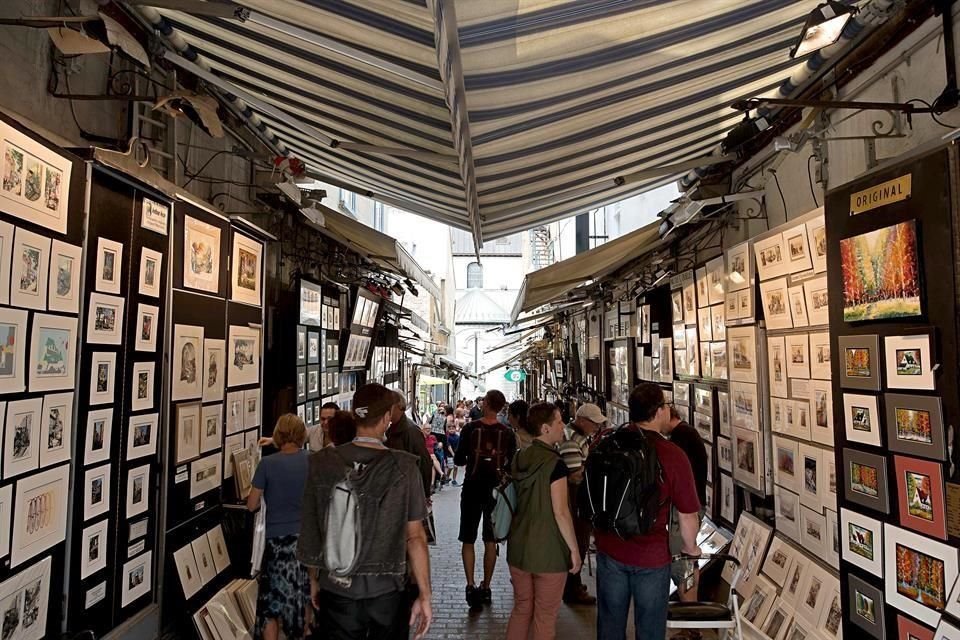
474, 276
349, 200
379, 220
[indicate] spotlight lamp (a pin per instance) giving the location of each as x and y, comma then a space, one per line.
823, 27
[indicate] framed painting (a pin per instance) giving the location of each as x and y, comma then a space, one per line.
30, 270
103, 373
251, 408
243, 353
915, 425
235, 411
778, 621
703, 287
909, 362
201, 255
786, 470
717, 353
214, 369
188, 432
730, 306
831, 618
881, 274
138, 490
703, 399
150, 282
756, 608
820, 356
798, 306
705, 324
665, 349
798, 420
718, 321
859, 362
136, 579
94, 549
7, 232
817, 298
821, 402
715, 280
53, 353
211, 428
787, 510
676, 306
148, 320
798, 355
865, 480
772, 258
865, 607
25, 599
918, 572
723, 403
744, 406
681, 393
13, 355
745, 304
35, 183
301, 345
780, 557
105, 319
814, 535
142, 436
109, 266
43, 494
742, 353
187, 382
796, 242
813, 595
142, 386
56, 429
205, 475
813, 477
920, 496
96, 491
861, 418
64, 286
748, 458
739, 267
776, 304
246, 279
22, 436
907, 629
817, 238
689, 298
99, 432
862, 541
796, 579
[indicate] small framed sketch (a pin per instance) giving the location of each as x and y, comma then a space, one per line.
235, 411
138, 490
676, 299
186, 565
681, 393
64, 285
744, 406
798, 249
918, 571
719, 322
865, 480
915, 425
93, 549
154, 215
32, 587
725, 454
6, 250
13, 334
946, 631
204, 556
103, 372
739, 267
727, 498
817, 236
953, 602
909, 363
820, 356
201, 255
301, 345
218, 547
109, 266
35, 187
136, 580
142, 386
821, 401
188, 432
778, 621
30, 271
53, 353
689, 298
865, 607
22, 429
715, 281
813, 479
6, 509
772, 257
786, 470
861, 418
147, 327
211, 428
98, 436
214, 370
757, 606
96, 492
246, 277
105, 319
859, 362
776, 304
920, 496
798, 356
787, 509
813, 534
187, 382
205, 475
665, 349
142, 436
723, 404
56, 429
798, 306
907, 629
705, 323
251, 408
862, 541
151, 263
742, 353
748, 462
243, 352
780, 557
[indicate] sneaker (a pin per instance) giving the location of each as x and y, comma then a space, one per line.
474, 599
486, 595
455, 483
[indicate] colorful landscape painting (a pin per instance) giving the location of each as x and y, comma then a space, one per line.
919, 498
863, 479
921, 578
860, 541
913, 425
881, 274
857, 361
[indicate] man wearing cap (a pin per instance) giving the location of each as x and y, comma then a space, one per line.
580, 436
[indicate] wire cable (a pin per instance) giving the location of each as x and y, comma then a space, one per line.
773, 172
810, 178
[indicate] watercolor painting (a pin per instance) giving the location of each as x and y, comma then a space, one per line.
881, 274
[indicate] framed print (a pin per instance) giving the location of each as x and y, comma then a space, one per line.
679, 336
772, 259
797, 578
231, 443
313, 347
723, 404
147, 327
715, 280
780, 557
56, 429
787, 509
30, 270
703, 399
150, 273
43, 494
96, 492
302, 384
742, 353
187, 382
739, 267
813, 535
719, 322
798, 249
817, 238
953, 601
718, 360
920, 496
142, 436
109, 266
907, 629
681, 393
909, 363
821, 401
689, 298
786, 470
105, 319
205, 475
798, 356
704, 426
53, 353
745, 304
642, 310
211, 428
142, 386
243, 352
25, 599
861, 418
748, 461
665, 349
7, 231
871, 290
778, 621
703, 287
745, 406
917, 573
246, 279
188, 432
727, 510
138, 490
93, 549
186, 564
98, 436
946, 631
201, 255
103, 372
313, 382
798, 419
22, 436
731, 307
859, 362
705, 324
813, 595
756, 607
154, 216
798, 306
136, 580
301, 345
915, 425
865, 480
214, 370
778, 417
862, 541
13, 356
218, 549
776, 304
36, 181
831, 465
676, 299
865, 607
693, 354
820, 356
812, 480
235, 411
64, 285
817, 299
251, 408
6, 509
725, 454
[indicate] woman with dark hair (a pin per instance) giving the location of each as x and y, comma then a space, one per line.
342, 428
542, 547
517, 415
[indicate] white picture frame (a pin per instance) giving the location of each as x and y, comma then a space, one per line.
186, 564
201, 255
142, 435
151, 273
776, 304
771, 257
786, 463
946, 631
204, 557
908, 362
63, 288
780, 557
817, 296
96, 491
689, 298
214, 369
725, 454
742, 353
814, 592
739, 267
94, 548
705, 324
820, 355
787, 509
136, 578
716, 280
744, 406
211, 428
235, 411
21, 439
205, 475
243, 354
218, 548
142, 384
187, 380
831, 619
148, 325
36, 180
953, 600
813, 534
251, 408
231, 443
862, 419
748, 458
892, 538
832, 555
105, 319
109, 266
6, 510
817, 239
154, 216
813, 477
798, 306
247, 271
13, 359
703, 295
138, 490
727, 496
821, 412
777, 366
798, 249
29, 588
30, 270
45, 490
56, 429
103, 373
98, 436
798, 355
188, 432
53, 353
7, 232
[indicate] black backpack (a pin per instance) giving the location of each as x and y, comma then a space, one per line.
489, 444
620, 492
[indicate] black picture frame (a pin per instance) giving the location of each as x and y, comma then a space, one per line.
313, 340
855, 586
936, 449
301, 384
313, 382
301, 345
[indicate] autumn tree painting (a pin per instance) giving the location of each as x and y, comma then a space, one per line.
881, 274
920, 577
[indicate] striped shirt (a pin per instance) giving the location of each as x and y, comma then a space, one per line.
574, 449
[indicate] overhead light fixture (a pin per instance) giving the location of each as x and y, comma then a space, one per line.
823, 27
745, 131
397, 289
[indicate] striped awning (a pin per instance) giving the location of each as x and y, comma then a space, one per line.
495, 115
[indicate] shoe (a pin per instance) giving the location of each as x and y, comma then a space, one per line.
455, 483
581, 597
486, 595
474, 599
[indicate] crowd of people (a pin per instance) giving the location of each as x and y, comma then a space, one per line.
348, 523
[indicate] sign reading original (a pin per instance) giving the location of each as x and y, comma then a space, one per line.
885, 193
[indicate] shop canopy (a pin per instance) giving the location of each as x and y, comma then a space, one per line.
384, 250
554, 282
424, 379
496, 115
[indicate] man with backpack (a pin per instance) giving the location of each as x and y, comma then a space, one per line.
362, 531
631, 480
486, 449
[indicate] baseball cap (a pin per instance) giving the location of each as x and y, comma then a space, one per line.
592, 413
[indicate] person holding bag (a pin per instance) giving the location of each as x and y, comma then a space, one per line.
542, 548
